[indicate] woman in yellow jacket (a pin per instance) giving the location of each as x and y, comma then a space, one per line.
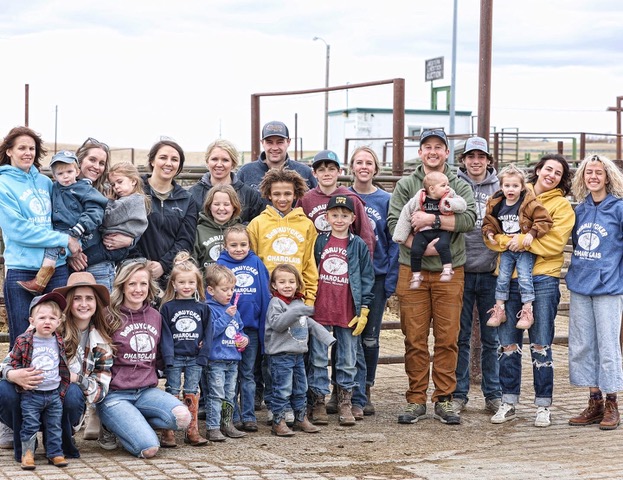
550, 183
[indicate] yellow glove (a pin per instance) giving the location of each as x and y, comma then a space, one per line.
360, 321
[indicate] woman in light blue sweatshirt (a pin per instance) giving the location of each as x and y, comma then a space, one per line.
595, 279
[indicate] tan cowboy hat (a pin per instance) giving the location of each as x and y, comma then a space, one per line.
85, 279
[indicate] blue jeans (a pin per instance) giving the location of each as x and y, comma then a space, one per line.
479, 290
524, 262
11, 415
104, 273
541, 334
246, 377
222, 377
18, 300
594, 348
39, 409
133, 414
192, 373
289, 385
372, 331
345, 361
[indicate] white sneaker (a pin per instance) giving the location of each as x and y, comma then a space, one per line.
269, 418
543, 417
505, 413
6, 437
289, 418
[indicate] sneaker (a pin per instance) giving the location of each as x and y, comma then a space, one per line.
289, 418
107, 439
446, 274
543, 417
269, 418
416, 281
492, 405
412, 413
526, 318
445, 413
498, 316
505, 413
6, 437
458, 404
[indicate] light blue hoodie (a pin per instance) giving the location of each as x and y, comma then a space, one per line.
25, 218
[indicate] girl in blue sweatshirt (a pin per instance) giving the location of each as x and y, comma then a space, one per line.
252, 292
185, 342
595, 279
228, 342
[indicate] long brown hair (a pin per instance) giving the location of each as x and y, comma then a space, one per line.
9, 142
83, 152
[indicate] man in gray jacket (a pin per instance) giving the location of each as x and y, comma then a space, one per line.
479, 288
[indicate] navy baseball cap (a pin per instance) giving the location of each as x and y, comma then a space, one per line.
343, 201
275, 129
325, 156
426, 134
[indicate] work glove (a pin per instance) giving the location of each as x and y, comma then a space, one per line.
360, 321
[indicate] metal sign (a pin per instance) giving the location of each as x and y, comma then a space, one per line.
434, 69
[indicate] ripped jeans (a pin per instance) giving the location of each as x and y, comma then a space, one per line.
541, 334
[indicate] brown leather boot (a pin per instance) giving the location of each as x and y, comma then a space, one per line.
58, 461
167, 439
28, 453
594, 413
227, 422
318, 413
611, 418
344, 406
191, 400
37, 285
301, 422
92, 424
281, 429
368, 408
357, 412
332, 402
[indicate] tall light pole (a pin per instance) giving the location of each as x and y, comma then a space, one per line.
326, 93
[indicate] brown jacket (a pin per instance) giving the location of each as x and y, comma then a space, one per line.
533, 217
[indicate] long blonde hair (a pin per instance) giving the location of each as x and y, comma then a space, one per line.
128, 268
182, 263
126, 169
614, 185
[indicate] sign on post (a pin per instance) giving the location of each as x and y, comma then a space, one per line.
434, 69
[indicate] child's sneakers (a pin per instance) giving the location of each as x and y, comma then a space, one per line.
526, 317
446, 274
498, 316
416, 281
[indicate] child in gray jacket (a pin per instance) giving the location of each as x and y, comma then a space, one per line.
288, 327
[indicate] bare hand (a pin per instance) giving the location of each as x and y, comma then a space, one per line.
73, 377
27, 378
114, 241
243, 342
231, 311
74, 246
431, 251
492, 239
513, 244
78, 262
155, 268
527, 240
420, 220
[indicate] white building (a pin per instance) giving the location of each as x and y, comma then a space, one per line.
372, 127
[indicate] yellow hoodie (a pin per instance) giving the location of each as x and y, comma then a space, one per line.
288, 239
549, 248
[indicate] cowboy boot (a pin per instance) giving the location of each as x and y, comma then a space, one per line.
318, 410
227, 423
332, 402
344, 406
28, 453
37, 285
191, 400
281, 429
368, 408
301, 422
167, 438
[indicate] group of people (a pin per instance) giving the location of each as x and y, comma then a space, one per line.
247, 283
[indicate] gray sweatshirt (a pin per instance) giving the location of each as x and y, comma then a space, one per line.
288, 327
126, 215
479, 258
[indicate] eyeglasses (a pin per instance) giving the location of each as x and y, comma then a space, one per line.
95, 143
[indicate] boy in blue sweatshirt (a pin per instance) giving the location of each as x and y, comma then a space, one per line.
228, 342
253, 296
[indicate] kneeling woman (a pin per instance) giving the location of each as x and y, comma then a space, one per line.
595, 279
134, 406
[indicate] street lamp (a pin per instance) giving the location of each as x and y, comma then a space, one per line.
326, 93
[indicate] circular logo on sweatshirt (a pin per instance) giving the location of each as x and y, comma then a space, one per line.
321, 223
186, 324
244, 280
588, 241
230, 331
285, 246
36, 207
142, 342
335, 266
215, 251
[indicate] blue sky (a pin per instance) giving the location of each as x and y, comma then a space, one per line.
127, 72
